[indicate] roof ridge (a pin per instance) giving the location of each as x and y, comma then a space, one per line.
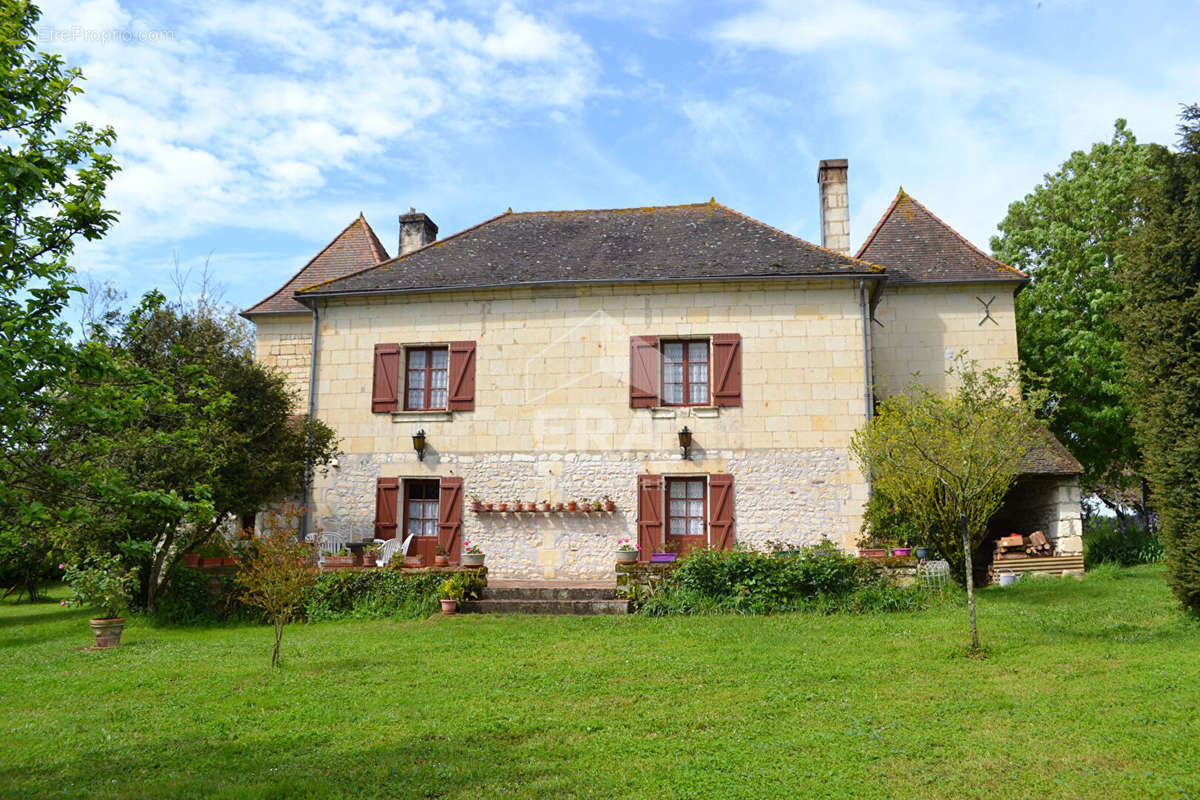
309, 263
399, 256
882, 220
598, 210
805, 242
960, 237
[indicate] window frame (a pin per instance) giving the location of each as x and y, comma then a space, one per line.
428, 370
409, 483
686, 384
669, 518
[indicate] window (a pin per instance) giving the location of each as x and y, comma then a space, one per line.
425, 378
685, 507
421, 508
685, 373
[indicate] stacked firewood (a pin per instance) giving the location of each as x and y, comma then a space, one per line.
1017, 546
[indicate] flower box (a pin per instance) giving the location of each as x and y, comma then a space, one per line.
338, 562
662, 558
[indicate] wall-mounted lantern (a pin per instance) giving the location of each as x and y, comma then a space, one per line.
419, 444
685, 442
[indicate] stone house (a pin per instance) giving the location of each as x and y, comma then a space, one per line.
546, 357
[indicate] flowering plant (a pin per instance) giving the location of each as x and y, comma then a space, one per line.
473, 549
101, 583
625, 545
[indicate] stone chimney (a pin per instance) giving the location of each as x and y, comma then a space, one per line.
416, 230
835, 205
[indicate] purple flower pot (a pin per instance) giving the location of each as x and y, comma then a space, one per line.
661, 558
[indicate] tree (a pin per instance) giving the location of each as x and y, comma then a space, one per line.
199, 432
51, 195
1068, 234
278, 574
1162, 339
949, 458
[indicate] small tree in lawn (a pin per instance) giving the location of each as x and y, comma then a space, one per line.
278, 573
948, 458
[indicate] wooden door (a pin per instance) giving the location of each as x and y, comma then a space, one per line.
421, 518
686, 518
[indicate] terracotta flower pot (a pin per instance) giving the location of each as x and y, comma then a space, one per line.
518, 506
441, 561
476, 505
504, 506
212, 561
107, 632
609, 505
370, 558
490, 506
545, 506
872, 552
191, 559
449, 607
413, 561
472, 559
338, 562
558, 506
572, 506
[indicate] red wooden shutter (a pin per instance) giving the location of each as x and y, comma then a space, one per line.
727, 369
649, 515
462, 377
643, 371
387, 372
450, 512
720, 511
387, 493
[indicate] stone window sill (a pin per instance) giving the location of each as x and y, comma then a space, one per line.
422, 416
673, 412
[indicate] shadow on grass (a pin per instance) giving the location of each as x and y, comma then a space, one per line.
293, 766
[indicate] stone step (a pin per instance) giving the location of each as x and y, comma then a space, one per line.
577, 607
548, 593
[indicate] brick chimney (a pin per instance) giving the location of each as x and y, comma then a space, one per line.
416, 230
835, 205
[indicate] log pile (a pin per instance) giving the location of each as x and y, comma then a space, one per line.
1035, 545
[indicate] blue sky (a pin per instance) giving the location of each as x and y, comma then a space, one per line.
250, 133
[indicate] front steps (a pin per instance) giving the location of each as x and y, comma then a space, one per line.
546, 597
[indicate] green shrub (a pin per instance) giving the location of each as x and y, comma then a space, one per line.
885, 525
820, 577
195, 597
1107, 541
377, 594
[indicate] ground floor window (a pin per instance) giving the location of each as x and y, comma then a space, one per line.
421, 508
687, 517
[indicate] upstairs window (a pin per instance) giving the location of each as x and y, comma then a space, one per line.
685, 373
425, 378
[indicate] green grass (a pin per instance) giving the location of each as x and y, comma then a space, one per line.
1091, 690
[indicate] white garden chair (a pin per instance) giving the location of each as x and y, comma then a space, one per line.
329, 544
390, 548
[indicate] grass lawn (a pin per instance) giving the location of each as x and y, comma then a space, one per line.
1091, 690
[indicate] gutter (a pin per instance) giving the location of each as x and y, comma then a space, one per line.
308, 297
312, 411
868, 400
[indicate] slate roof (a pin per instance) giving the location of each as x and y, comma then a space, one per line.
914, 246
701, 241
1050, 457
354, 249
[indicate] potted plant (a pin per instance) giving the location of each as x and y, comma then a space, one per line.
212, 553
342, 558
921, 552
452, 592
412, 561
665, 557
609, 505
441, 559
103, 583
558, 506
504, 506
472, 556
869, 546
545, 505
371, 555
490, 506
627, 551
191, 560
476, 504
597, 505
572, 505
585, 504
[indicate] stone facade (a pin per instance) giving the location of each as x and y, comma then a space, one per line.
796, 496
552, 419
920, 329
284, 341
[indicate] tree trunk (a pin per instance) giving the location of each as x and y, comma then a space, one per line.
278, 636
966, 543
